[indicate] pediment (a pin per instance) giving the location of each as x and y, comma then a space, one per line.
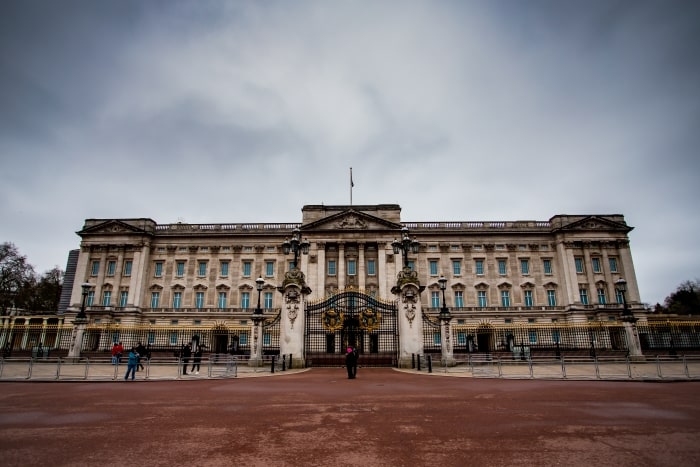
351, 219
595, 223
111, 227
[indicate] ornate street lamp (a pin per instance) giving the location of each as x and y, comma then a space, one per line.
296, 245
259, 284
621, 285
86, 288
444, 312
405, 245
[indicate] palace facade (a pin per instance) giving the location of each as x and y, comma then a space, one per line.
563, 269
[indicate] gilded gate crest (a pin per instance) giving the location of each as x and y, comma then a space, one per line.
332, 320
370, 320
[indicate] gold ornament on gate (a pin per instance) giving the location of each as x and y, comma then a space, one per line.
370, 320
332, 320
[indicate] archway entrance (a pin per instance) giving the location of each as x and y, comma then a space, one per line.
484, 338
351, 319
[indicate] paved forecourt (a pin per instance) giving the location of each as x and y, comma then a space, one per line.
318, 417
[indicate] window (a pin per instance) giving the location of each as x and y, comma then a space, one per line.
551, 298
555, 336
595, 264
433, 267
505, 298
371, 267
525, 266
461, 338
267, 339
547, 265
435, 299
243, 338
90, 298
502, 267
290, 265
601, 296
411, 265
436, 339
352, 267
111, 267
95, 268
533, 337
459, 299
456, 267
177, 299
151, 339
180, 271
173, 336
159, 269
123, 297
245, 300
613, 264
579, 265
481, 296
127, 267
106, 298
479, 267
224, 269
247, 267
199, 300
202, 270
583, 295
197, 322
222, 300
619, 298
528, 298
331, 267
155, 299
269, 268
267, 300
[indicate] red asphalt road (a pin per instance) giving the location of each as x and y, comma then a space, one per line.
320, 418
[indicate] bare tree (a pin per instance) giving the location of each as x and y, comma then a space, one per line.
16, 278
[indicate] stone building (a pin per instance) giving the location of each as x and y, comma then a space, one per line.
562, 269
363, 277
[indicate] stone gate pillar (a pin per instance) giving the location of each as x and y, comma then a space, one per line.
410, 316
633, 345
292, 318
76, 345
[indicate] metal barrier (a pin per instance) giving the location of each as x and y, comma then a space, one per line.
683, 367
102, 369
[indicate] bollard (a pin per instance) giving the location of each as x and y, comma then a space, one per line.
272, 366
430, 363
284, 363
418, 360
413, 361
290, 362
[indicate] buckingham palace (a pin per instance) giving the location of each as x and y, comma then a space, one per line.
353, 275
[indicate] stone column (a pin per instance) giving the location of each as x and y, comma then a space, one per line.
76, 344
292, 319
448, 358
633, 345
257, 344
408, 290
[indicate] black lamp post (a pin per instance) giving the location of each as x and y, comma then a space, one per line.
621, 285
86, 288
444, 312
295, 245
259, 284
405, 245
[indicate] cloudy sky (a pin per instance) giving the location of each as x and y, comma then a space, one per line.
243, 111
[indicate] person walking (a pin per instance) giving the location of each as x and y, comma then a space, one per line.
197, 359
350, 363
355, 359
117, 350
141, 350
131, 364
185, 355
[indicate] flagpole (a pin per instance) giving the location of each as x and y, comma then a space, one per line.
351, 185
